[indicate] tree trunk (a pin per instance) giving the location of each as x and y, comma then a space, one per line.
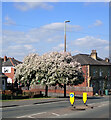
46, 91
64, 90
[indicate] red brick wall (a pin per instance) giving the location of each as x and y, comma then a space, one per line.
89, 93
84, 69
10, 75
57, 89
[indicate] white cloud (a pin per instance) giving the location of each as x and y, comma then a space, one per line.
90, 41
107, 48
18, 51
75, 52
60, 27
19, 37
54, 38
96, 23
50, 33
32, 5
16, 42
21, 48
59, 47
28, 47
19, 42
9, 21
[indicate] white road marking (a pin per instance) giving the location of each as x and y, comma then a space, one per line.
21, 117
102, 105
38, 113
16, 106
30, 115
23, 105
56, 114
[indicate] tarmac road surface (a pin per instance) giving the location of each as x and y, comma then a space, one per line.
59, 109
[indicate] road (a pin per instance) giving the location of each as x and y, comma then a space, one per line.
61, 109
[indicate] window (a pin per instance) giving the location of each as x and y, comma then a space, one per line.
2, 82
108, 72
14, 71
94, 72
100, 72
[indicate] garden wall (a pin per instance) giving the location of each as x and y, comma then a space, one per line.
58, 90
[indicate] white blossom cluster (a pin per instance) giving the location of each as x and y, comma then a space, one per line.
49, 69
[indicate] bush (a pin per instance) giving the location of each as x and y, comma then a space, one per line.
8, 94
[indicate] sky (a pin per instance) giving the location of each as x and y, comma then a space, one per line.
34, 27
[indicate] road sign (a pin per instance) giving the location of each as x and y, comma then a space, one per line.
72, 98
84, 97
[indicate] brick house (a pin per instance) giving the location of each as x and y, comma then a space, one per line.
97, 72
3, 83
8, 68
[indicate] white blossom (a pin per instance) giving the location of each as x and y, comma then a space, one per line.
51, 68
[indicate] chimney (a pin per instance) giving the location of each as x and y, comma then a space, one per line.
5, 58
94, 54
106, 59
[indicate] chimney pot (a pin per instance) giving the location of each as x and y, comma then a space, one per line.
94, 54
5, 58
106, 59
93, 51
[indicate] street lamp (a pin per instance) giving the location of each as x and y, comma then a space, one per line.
65, 34
65, 49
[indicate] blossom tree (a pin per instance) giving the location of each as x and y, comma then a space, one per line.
50, 69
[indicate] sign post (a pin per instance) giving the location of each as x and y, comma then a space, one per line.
84, 97
72, 98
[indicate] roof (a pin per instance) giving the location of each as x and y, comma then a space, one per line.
3, 75
85, 59
10, 62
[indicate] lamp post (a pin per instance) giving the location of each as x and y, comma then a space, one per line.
65, 34
65, 49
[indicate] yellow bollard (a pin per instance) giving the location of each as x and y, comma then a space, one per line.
84, 97
72, 98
